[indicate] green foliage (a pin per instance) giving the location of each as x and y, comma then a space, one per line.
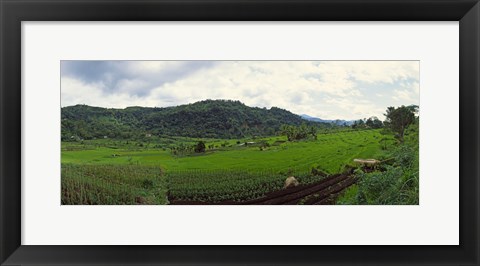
379, 188
112, 185
394, 186
298, 132
132, 175
349, 196
229, 185
360, 123
200, 147
331, 151
372, 122
397, 184
147, 183
398, 119
317, 171
205, 119
114, 154
405, 156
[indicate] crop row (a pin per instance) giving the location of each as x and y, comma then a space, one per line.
112, 185
228, 185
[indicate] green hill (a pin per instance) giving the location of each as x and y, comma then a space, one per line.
204, 119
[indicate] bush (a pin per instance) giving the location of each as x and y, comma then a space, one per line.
349, 196
200, 147
404, 156
147, 184
379, 188
398, 184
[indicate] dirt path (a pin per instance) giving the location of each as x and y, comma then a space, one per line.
322, 192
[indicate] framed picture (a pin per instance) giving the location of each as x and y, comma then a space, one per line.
247, 138
289, 132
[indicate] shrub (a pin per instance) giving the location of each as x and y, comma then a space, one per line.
147, 184
200, 147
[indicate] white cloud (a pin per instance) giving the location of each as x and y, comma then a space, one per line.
326, 89
408, 93
404, 95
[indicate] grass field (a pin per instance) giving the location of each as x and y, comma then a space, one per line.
108, 184
142, 172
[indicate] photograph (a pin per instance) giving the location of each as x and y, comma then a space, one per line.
215, 132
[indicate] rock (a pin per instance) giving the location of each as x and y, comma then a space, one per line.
291, 182
367, 161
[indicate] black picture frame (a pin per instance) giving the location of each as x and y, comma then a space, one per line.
13, 12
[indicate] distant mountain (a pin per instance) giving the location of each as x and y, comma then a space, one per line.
337, 122
204, 119
311, 118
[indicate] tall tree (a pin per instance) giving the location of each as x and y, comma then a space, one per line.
398, 119
313, 132
200, 147
374, 122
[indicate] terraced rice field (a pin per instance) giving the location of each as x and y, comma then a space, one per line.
101, 172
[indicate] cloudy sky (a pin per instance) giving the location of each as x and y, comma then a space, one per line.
324, 89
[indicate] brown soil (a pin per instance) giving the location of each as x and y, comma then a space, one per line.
322, 192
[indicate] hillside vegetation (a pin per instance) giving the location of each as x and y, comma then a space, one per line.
205, 119
223, 152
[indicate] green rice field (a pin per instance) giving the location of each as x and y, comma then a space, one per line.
108, 171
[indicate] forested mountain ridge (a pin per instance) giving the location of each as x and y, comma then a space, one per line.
204, 119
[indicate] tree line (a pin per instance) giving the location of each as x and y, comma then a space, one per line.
205, 119
396, 122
